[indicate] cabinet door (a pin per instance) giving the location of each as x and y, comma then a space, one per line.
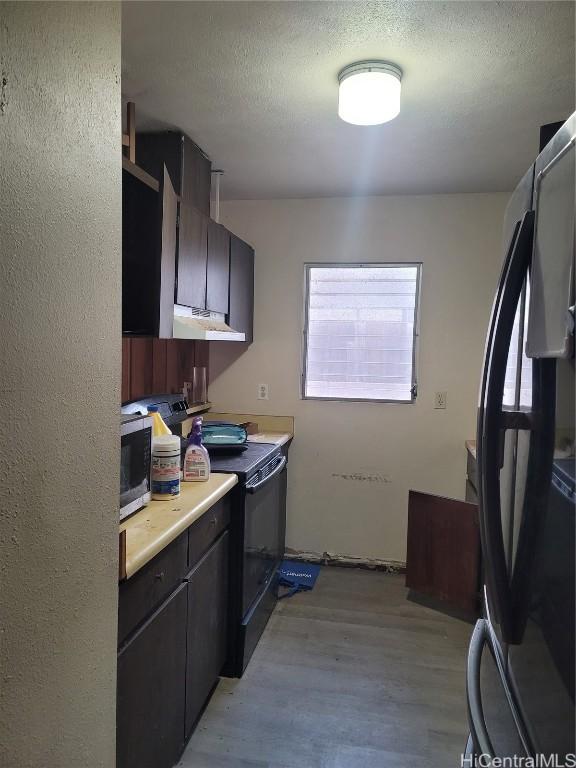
141, 210
443, 556
241, 307
167, 256
207, 627
218, 270
156, 150
150, 702
196, 176
192, 257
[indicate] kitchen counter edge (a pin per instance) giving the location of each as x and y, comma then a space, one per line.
149, 531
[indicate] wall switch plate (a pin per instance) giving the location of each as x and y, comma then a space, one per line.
262, 391
440, 399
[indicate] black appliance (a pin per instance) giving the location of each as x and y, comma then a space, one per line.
172, 408
135, 453
258, 537
520, 671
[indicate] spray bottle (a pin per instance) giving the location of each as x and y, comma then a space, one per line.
196, 459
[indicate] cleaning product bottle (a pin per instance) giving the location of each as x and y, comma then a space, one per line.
165, 471
196, 459
159, 426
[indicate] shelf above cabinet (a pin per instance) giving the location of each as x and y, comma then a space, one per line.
140, 174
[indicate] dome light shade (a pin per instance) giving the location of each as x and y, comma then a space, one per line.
369, 92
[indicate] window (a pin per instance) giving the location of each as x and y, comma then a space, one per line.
361, 325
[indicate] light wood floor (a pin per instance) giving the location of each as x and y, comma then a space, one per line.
351, 675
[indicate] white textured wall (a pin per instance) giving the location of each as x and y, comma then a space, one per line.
457, 237
60, 251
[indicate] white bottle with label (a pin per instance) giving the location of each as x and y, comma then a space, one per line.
165, 467
196, 459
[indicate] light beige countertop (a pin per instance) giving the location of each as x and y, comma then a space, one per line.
266, 423
147, 532
276, 438
471, 447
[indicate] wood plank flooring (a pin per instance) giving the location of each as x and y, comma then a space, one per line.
351, 675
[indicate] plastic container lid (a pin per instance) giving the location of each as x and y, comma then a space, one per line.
152, 408
166, 444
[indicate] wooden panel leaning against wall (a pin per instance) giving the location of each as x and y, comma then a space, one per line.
151, 366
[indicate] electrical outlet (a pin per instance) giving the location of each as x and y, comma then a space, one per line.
262, 391
440, 399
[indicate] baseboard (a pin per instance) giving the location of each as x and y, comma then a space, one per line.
347, 561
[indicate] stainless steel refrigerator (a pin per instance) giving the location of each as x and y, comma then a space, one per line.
520, 669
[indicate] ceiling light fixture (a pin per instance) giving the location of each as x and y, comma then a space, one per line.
369, 92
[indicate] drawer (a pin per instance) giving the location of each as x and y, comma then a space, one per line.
203, 533
139, 595
472, 471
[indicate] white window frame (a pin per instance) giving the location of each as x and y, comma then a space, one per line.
415, 334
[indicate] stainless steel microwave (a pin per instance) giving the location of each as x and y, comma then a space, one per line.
135, 457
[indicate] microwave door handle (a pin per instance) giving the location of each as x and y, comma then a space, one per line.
492, 420
275, 471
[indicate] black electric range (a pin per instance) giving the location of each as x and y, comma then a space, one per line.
246, 463
258, 536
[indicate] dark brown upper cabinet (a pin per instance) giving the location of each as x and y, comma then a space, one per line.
192, 257
190, 172
189, 168
218, 268
149, 214
241, 294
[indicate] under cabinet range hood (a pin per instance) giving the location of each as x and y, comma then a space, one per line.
201, 325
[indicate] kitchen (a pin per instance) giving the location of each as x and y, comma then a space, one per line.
351, 672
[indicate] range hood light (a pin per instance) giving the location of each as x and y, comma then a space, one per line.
369, 92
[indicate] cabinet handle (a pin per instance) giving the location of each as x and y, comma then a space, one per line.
213, 521
160, 576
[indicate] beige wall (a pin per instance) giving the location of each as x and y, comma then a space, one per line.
60, 257
457, 237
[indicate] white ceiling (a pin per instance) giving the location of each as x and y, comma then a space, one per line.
254, 84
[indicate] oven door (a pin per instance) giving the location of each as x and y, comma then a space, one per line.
264, 525
135, 443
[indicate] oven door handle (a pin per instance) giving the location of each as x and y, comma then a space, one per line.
276, 471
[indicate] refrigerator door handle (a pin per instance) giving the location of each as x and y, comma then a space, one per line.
492, 421
538, 480
469, 757
482, 635
478, 730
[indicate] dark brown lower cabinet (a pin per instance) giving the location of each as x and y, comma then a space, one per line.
207, 592
443, 552
151, 696
173, 634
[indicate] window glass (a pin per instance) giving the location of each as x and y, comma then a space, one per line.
361, 326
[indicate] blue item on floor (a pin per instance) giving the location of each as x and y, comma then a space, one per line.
297, 577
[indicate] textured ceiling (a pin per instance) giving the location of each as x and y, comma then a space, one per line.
254, 84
